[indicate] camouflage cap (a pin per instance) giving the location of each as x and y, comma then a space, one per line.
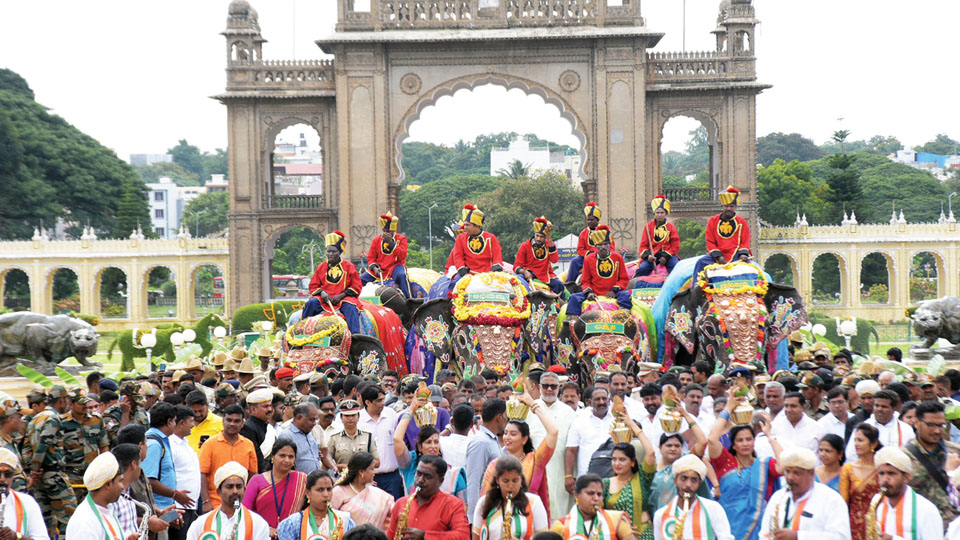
57, 391
225, 389
9, 408
79, 396
810, 380
36, 395
131, 389
292, 399
149, 390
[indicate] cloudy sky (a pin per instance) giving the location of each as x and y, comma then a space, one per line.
137, 75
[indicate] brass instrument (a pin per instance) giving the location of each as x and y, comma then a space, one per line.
775, 520
402, 519
595, 533
507, 518
337, 532
3, 505
873, 529
236, 522
144, 529
678, 531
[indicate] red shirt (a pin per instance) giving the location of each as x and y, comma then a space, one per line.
653, 240
730, 238
584, 245
343, 276
396, 256
478, 253
539, 261
600, 275
443, 517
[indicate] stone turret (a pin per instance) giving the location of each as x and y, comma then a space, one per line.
736, 28
244, 42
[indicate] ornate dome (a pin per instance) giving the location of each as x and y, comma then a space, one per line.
239, 8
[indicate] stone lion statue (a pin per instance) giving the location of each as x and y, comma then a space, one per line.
936, 319
46, 338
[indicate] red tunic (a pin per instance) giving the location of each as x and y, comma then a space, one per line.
334, 280
600, 275
538, 261
585, 245
478, 253
443, 517
730, 238
388, 259
653, 241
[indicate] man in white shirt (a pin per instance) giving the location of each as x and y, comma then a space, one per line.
793, 427
773, 393
103, 481
562, 416
29, 524
453, 447
187, 464
382, 423
804, 509
693, 401
688, 472
619, 387
588, 432
902, 513
893, 432
716, 389
230, 481
836, 421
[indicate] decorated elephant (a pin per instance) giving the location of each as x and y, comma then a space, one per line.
325, 344
386, 293
730, 312
490, 321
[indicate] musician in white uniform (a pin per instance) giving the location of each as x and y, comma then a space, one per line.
804, 509
93, 519
231, 482
902, 514
701, 516
21, 513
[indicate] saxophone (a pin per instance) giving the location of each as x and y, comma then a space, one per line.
3, 505
775, 520
402, 520
507, 519
678, 532
873, 529
236, 524
144, 529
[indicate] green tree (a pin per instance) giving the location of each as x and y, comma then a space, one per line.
132, 211
215, 163
516, 170
693, 239
779, 268
151, 174
942, 145
208, 213
290, 255
187, 156
34, 199
449, 195
885, 145
845, 193
784, 190
788, 147
826, 278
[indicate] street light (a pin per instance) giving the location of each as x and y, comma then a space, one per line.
950, 202
196, 222
176, 339
148, 342
189, 335
430, 231
847, 328
220, 333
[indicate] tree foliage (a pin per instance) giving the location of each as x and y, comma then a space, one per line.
942, 144
693, 239
787, 147
449, 195
785, 189
207, 214
132, 212
151, 174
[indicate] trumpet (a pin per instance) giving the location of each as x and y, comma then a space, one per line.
144, 529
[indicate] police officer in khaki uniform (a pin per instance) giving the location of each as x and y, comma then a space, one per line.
351, 439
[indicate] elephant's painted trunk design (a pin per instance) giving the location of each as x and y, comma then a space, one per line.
742, 321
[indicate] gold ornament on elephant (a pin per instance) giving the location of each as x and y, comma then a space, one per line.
496, 345
740, 314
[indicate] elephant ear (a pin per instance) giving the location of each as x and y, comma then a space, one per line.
680, 320
785, 312
367, 356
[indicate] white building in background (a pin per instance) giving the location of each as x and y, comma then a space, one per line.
149, 159
165, 208
217, 182
537, 159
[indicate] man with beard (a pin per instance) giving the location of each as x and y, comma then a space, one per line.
536, 256
659, 241
590, 430
260, 403
83, 438
562, 416
230, 481
335, 285
207, 424
928, 454
430, 512
585, 244
902, 513
727, 234
604, 274
804, 506
697, 517
619, 387
284, 377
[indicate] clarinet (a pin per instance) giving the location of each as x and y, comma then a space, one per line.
3, 505
236, 524
144, 530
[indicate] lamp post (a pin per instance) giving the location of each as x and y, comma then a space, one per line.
189, 335
311, 248
196, 222
950, 203
847, 328
430, 231
176, 339
220, 333
148, 342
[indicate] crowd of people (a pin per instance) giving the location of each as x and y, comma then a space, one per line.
689, 453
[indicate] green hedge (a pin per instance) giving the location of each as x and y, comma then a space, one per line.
244, 317
859, 342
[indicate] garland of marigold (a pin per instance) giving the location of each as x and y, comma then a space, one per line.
759, 288
313, 338
512, 314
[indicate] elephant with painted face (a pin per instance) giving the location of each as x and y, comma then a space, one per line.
731, 312
490, 321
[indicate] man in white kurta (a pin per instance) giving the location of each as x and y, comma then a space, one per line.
893, 432
231, 481
793, 427
92, 519
822, 514
590, 429
30, 524
707, 515
562, 416
903, 514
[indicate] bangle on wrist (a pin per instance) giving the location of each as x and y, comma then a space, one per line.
725, 414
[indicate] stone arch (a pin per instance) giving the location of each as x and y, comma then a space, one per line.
269, 250
16, 304
792, 262
708, 119
869, 262
274, 125
469, 82
197, 302
119, 297
920, 279
160, 308
49, 281
829, 292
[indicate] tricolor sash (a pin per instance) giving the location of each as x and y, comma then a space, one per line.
519, 532
900, 511
109, 532
213, 528
576, 529
697, 520
310, 529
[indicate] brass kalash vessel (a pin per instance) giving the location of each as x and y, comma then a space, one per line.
671, 420
620, 432
426, 414
743, 414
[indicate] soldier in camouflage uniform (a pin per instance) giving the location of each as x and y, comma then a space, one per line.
114, 418
226, 395
84, 438
36, 401
11, 423
50, 484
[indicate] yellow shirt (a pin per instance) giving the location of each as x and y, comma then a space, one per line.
210, 426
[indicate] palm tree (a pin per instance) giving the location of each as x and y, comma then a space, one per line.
516, 171
841, 137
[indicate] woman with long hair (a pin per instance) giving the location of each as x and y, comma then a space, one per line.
629, 489
830, 453
746, 482
858, 480
356, 494
517, 443
278, 493
662, 487
428, 443
492, 518
319, 518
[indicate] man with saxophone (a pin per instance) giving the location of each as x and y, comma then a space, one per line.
428, 513
804, 509
92, 519
588, 520
230, 520
688, 516
898, 511
20, 516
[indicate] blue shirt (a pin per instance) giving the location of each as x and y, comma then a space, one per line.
481, 450
159, 464
308, 451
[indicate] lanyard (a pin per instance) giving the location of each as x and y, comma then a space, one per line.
283, 501
583, 525
112, 534
797, 514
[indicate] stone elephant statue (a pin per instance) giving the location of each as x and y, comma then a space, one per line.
490, 321
323, 343
731, 312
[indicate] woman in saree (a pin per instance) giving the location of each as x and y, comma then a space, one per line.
517, 443
319, 518
830, 453
280, 492
356, 494
428, 442
662, 488
858, 480
528, 514
746, 482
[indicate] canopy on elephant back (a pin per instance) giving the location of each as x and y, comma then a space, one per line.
319, 343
